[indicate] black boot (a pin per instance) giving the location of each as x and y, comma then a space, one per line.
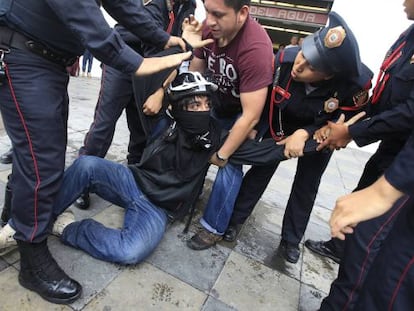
83, 201
5, 214
40, 273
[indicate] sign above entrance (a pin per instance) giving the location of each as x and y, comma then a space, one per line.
274, 13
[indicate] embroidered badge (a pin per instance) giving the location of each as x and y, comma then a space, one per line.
334, 37
360, 98
412, 59
331, 105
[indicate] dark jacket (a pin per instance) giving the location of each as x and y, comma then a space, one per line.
305, 107
159, 12
67, 27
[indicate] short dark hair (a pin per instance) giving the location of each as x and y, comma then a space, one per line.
236, 4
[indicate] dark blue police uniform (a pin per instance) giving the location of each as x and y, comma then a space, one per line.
393, 110
390, 281
38, 39
34, 98
306, 108
116, 86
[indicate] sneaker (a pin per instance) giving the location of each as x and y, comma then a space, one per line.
89, 75
203, 240
83, 74
63, 220
7, 241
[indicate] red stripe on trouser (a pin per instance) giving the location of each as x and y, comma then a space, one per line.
32, 153
357, 285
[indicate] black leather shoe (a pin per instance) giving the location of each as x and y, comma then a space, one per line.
7, 157
322, 248
83, 201
231, 233
290, 251
40, 273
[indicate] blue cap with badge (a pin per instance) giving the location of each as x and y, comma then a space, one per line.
333, 49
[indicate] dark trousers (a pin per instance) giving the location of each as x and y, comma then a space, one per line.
116, 94
34, 106
362, 246
390, 281
373, 170
299, 207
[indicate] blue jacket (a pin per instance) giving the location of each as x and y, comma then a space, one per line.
392, 116
400, 172
69, 27
305, 108
159, 12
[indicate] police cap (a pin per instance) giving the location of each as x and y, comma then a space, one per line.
333, 49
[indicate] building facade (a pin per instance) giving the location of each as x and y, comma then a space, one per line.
283, 19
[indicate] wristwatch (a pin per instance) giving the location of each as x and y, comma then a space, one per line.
220, 158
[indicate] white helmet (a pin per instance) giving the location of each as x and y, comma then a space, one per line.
189, 83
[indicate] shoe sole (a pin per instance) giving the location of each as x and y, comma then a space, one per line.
316, 251
60, 301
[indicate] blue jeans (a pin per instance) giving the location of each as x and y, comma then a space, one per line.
220, 204
144, 223
87, 59
225, 189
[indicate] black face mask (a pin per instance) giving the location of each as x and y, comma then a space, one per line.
192, 122
196, 126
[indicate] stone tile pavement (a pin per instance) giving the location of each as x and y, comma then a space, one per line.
245, 275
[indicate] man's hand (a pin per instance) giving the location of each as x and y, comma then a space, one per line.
192, 31
338, 134
295, 143
173, 41
155, 64
362, 205
216, 161
153, 103
321, 134
252, 134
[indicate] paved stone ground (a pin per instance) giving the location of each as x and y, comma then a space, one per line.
245, 275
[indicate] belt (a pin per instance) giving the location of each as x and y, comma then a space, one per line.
14, 39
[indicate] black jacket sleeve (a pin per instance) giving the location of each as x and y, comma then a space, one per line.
396, 121
400, 173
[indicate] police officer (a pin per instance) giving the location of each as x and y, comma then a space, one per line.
391, 122
311, 86
393, 291
117, 87
38, 39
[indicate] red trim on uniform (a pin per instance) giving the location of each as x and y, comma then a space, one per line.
36, 168
402, 277
357, 285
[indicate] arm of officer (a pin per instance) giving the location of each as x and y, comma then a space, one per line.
388, 124
338, 133
378, 198
252, 106
362, 205
133, 16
